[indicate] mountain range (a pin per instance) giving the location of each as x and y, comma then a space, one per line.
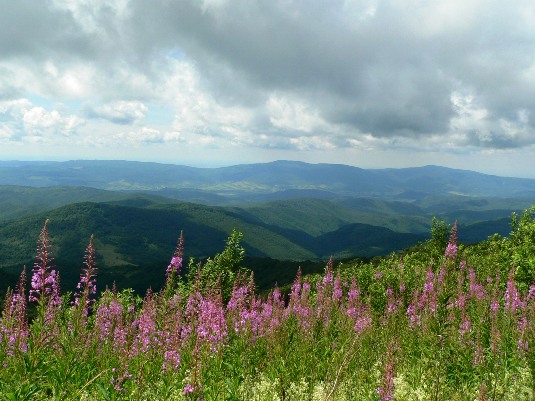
285, 178
286, 210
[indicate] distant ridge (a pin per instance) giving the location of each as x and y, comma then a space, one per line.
234, 182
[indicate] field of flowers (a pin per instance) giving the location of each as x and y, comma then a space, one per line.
438, 322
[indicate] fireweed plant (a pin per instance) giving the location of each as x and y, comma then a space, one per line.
440, 321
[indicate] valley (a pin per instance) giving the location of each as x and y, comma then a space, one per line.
287, 211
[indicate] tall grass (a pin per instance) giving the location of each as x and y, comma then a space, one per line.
427, 325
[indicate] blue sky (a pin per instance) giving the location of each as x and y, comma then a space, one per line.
370, 83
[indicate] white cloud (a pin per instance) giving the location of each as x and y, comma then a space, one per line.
293, 115
21, 120
118, 112
41, 122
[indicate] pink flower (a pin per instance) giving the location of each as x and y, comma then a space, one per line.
386, 390
87, 285
44, 283
188, 389
452, 247
176, 261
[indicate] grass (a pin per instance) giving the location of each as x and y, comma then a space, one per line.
439, 322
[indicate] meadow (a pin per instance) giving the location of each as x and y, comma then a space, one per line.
439, 321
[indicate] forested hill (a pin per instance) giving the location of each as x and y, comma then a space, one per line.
134, 243
287, 211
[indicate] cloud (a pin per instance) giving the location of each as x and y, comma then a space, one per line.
277, 74
118, 112
20, 120
378, 67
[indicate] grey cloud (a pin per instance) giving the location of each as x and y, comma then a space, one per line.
492, 139
31, 30
376, 75
375, 67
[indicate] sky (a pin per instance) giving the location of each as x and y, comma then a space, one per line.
369, 83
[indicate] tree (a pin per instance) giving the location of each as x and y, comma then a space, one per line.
220, 271
523, 244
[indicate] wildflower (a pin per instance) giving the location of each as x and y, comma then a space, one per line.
531, 293
175, 265
465, 327
494, 307
238, 307
386, 390
393, 303
176, 261
209, 318
189, 389
412, 312
479, 354
171, 360
337, 290
118, 382
146, 326
357, 310
87, 285
328, 278
13, 324
477, 290
273, 311
326, 294
44, 282
299, 304
429, 296
452, 247
512, 297
109, 324
522, 345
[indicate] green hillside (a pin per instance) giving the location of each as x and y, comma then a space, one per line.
317, 217
19, 201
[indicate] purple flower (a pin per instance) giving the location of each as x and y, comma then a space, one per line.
412, 312
109, 323
513, 300
465, 327
531, 293
386, 390
175, 266
13, 323
357, 310
44, 282
337, 290
273, 312
522, 345
429, 298
477, 290
452, 247
189, 389
171, 360
173, 269
146, 326
206, 317
87, 285
393, 302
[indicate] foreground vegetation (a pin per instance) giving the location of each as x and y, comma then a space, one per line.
438, 322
